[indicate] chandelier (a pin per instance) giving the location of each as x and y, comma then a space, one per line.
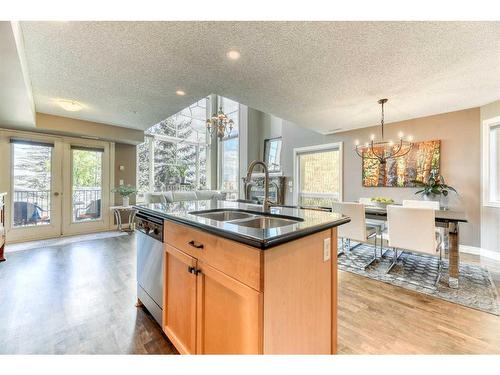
220, 124
384, 150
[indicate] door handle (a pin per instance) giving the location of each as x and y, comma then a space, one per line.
195, 244
56, 194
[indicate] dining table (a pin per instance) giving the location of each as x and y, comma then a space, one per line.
448, 219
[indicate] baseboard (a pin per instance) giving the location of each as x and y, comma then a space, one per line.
490, 254
484, 253
470, 249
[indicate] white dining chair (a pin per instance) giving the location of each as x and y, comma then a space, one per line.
378, 224
412, 203
413, 229
357, 229
432, 205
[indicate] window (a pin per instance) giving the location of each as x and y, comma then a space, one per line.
318, 172
32, 173
174, 154
229, 151
491, 162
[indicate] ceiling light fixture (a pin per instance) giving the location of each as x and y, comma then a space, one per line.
70, 105
220, 123
233, 54
180, 92
383, 150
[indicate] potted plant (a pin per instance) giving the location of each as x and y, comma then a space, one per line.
182, 170
435, 188
125, 191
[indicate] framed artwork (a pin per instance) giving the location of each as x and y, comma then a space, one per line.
272, 154
416, 165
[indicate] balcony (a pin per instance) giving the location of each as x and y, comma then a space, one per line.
33, 207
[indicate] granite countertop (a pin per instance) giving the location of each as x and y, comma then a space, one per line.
312, 221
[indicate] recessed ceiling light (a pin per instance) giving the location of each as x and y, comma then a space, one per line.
70, 105
180, 92
233, 54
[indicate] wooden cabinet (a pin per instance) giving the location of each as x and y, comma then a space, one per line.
229, 314
179, 310
223, 297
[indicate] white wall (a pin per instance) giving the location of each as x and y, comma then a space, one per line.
490, 216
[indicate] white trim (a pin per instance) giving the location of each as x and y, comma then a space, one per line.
486, 128
483, 253
470, 249
327, 146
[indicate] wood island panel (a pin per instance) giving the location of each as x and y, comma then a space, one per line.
298, 290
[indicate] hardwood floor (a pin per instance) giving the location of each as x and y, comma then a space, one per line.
78, 298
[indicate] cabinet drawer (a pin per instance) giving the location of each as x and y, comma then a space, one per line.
232, 258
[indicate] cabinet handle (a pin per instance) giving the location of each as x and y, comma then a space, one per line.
195, 244
195, 271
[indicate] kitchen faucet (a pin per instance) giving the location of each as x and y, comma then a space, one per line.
267, 203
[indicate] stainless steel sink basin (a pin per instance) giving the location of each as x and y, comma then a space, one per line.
224, 215
263, 222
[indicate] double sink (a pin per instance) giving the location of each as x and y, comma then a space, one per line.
248, 219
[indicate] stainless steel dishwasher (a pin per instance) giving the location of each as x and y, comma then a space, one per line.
150, 268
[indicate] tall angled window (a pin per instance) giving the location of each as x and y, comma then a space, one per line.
174, 154
229, 151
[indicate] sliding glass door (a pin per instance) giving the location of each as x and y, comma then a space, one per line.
318, 175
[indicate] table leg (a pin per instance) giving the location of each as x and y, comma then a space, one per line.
118, 218
453, 255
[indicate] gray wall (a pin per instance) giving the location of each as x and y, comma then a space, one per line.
458, 131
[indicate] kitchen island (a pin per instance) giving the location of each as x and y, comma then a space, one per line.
238, 280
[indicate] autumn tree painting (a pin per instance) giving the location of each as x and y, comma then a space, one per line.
416, 165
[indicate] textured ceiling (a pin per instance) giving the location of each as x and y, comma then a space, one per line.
321, 75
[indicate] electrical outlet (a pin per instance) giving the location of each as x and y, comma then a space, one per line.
326, 249
120, 182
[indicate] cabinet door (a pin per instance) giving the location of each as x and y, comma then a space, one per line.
179, 302
229, 314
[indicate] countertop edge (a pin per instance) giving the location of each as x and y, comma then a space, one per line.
263, 245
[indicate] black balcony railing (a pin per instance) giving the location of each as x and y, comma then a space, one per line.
33, 207
86, 204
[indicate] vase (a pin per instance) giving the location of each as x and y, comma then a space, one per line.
443, 201
125, 201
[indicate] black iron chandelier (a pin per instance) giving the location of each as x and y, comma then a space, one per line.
384, 150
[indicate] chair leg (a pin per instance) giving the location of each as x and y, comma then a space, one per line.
342, 248
374, 254
440, 266
395, 258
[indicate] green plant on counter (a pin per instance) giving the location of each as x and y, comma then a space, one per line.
125, 190
435, 185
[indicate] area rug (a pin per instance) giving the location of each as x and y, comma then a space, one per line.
418, 272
